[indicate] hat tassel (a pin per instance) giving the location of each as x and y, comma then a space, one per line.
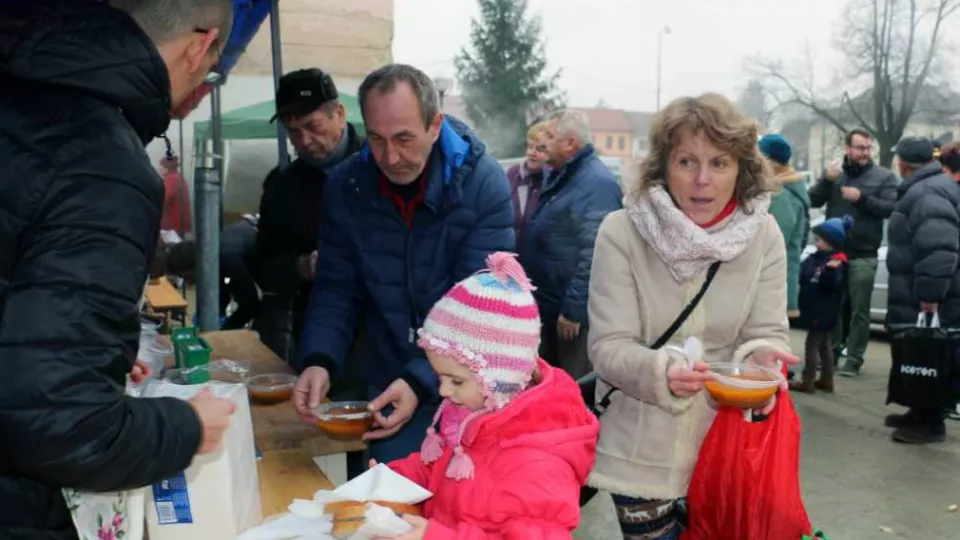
432, 447
461, 466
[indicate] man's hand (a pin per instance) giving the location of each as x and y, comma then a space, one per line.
851, 194
835, 263
214, 415
307, 265
567, 329
404, 401
310, 391
834, 170
140, 372
929, 307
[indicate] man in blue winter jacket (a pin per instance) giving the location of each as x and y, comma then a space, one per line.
557, 249
417, 209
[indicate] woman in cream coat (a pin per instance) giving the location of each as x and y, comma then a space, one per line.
702, 198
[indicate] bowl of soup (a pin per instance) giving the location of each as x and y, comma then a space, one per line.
271, 388
745, 386
344, 420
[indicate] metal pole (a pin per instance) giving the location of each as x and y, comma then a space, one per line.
206, 192
276, 48
659, 64
216, 123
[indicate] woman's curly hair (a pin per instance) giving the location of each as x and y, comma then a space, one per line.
726, 126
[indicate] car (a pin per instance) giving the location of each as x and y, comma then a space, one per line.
878, 300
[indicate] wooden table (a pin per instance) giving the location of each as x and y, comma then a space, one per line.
164, 299
287, 470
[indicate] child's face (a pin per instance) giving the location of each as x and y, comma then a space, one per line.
822, 245
457, 382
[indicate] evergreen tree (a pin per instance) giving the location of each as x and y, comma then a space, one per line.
504, 75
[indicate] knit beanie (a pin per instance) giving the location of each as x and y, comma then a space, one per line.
488, 322
775, 147
834, 231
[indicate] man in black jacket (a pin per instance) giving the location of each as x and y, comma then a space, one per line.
288, 231
866, 192
923, 259
84, 85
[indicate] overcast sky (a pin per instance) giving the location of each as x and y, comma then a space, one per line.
608, 48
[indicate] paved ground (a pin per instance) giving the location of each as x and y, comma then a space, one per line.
857, 483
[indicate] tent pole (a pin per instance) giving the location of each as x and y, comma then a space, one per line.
208, 196
206, 192
277, 51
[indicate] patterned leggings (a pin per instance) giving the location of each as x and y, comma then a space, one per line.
644, 519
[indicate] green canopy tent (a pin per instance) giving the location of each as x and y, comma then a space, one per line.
253, 121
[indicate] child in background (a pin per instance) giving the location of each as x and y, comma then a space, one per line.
822, 281
515, 441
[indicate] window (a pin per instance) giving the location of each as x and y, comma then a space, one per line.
622, 142
610, 142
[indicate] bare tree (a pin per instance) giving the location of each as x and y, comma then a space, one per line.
891, 48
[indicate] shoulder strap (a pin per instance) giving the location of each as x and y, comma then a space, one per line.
682, 318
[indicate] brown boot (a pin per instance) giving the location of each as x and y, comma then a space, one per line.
806, 386
825, 384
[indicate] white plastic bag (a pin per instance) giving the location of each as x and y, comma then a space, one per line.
218, 496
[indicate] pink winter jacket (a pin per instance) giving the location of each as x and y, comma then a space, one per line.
530, 460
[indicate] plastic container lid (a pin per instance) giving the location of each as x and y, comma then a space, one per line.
744, 375
271, 388
344, 420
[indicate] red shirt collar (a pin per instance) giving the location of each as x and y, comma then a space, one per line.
724, 214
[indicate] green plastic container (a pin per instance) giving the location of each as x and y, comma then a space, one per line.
181, 334
194, 353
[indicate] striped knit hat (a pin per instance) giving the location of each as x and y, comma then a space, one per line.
489, 323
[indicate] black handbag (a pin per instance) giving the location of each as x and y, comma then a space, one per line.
588, 383
924, 365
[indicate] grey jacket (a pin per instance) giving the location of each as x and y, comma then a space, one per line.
924, 248
878, 194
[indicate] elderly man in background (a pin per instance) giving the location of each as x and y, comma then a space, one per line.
557, 248
923, 260
415, 211
309, 107
86, 85
858, 188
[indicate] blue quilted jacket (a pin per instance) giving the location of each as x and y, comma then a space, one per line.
372, 266
557, 248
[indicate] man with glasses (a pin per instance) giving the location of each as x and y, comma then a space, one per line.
859, 188
309, 107
85, 85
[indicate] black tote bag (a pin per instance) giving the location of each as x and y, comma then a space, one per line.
924, 365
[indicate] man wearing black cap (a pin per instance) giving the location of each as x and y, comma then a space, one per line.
922, 260
315, 121
865, 191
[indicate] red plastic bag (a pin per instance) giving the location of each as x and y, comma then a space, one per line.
746, 483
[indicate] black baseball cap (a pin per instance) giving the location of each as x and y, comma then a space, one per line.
303, 91
915, 150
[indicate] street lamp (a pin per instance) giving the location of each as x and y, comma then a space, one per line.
443, 85
664, 30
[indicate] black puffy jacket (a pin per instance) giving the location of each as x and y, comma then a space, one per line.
82, 89
878, 194
924, 248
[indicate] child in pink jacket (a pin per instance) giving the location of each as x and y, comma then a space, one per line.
515, 440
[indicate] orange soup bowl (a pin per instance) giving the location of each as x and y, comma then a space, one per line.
344, 420
745, 386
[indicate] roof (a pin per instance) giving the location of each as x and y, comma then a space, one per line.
605, 119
